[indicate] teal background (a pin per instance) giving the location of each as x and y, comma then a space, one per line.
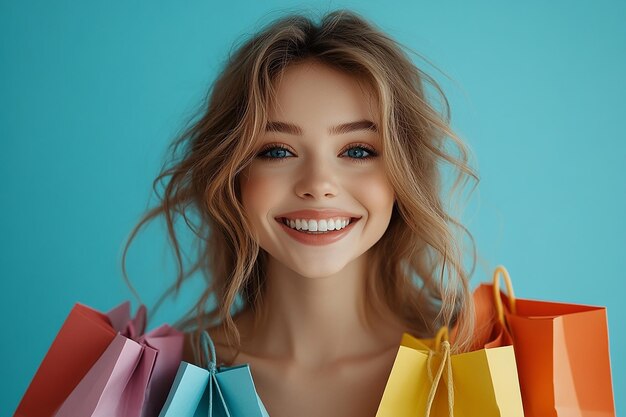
91, 93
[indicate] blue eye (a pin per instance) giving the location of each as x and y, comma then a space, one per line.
277, 152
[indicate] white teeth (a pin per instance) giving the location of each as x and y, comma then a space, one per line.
322, 225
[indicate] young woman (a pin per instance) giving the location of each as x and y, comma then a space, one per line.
314, 174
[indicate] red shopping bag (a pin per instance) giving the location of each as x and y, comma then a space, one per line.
562, 354
84, 336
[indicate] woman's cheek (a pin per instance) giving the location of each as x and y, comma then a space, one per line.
374, 188
259, 189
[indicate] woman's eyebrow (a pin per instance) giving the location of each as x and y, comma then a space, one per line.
333, 130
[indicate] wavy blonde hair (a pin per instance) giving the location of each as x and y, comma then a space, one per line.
416, 267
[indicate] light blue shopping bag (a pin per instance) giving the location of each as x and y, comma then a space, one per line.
215, 392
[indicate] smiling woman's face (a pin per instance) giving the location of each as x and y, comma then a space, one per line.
315, 169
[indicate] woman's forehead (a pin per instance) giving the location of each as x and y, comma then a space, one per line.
316, 89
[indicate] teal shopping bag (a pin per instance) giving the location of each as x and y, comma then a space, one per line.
214, 392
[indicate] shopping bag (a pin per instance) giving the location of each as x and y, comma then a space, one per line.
83, 337
562, 353
219, 391
481, 382
132, 377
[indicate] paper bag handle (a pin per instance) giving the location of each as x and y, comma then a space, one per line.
501, 270
442, 345
207, 344
441, 336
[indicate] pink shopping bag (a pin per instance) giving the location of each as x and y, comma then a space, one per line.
133, 375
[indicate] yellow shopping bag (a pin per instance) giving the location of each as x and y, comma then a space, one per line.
427, 380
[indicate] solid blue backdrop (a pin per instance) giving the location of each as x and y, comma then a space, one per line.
92, 93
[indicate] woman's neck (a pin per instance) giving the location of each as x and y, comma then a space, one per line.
314, 322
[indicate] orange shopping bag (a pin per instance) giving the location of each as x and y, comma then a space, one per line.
562, 354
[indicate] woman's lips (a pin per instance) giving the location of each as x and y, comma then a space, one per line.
320, 238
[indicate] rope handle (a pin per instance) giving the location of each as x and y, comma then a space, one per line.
501, 270
441, 336
442, 345
207, 344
